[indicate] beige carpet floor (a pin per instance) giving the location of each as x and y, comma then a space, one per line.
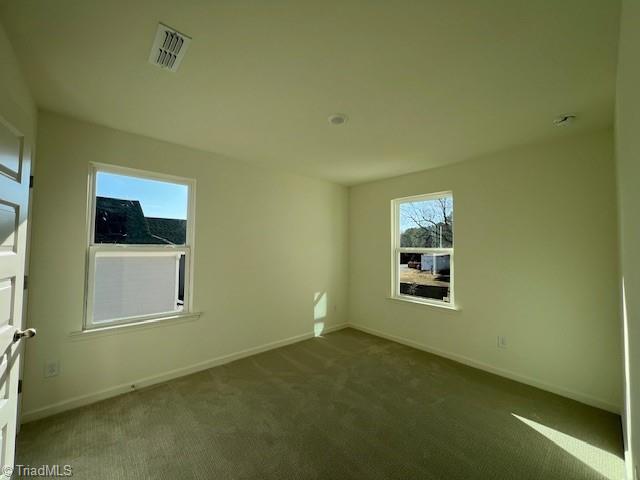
343, 406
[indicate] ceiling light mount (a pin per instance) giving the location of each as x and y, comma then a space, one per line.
564, 120
338, 119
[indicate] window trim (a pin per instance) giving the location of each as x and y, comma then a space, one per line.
396, 249
93, 248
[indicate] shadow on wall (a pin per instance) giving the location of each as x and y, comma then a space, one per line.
319, 312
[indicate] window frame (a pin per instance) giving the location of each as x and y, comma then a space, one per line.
396, 250
93, 249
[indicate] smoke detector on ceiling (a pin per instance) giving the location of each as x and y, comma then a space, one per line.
168, 48
337, 119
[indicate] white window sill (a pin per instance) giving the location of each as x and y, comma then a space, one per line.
133, 326
406, 299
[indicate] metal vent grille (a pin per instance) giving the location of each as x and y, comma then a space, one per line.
168, 48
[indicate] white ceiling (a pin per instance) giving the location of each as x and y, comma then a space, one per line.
424, 83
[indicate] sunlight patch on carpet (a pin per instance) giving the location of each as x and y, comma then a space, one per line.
607, 464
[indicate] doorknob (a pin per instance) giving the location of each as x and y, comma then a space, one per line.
28, 333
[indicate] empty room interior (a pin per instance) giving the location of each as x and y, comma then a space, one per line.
299, 239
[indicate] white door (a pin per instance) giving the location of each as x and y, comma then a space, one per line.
15, 166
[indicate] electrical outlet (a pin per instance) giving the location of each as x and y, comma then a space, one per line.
52, 368
502, 341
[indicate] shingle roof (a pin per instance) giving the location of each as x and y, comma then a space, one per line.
172, 230
123, 221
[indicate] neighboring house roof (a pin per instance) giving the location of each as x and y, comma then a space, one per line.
123, 221
172, 230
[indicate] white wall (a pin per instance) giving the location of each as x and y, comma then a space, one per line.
628, 165
16, 103
535, 261
266, 244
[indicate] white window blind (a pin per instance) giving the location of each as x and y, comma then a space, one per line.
131, 285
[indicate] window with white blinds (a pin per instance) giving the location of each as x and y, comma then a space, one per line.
140, 248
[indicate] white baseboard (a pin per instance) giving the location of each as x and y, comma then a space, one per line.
89, 398
578, 396
335, 328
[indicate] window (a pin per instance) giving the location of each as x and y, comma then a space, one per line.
140, 241
422, 242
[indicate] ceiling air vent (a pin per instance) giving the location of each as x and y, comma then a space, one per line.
168, 48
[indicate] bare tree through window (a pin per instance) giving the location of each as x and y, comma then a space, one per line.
424, 247
427, 223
